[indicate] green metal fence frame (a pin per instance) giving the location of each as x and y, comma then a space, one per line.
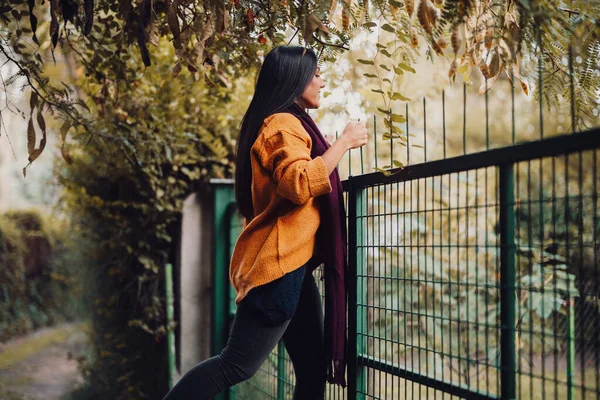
504, 159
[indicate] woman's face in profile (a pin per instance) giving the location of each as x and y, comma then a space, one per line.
311, 97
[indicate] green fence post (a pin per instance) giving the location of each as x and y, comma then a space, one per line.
280, 371
361, 292
356, 376
223, 193
507, 282
170, 333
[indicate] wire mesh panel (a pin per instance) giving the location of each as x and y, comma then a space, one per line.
428, 260
478, 277
557, 277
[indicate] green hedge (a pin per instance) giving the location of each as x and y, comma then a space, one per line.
38, 281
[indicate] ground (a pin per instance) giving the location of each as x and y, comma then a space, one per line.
41, 365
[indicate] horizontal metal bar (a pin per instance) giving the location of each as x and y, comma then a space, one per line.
461, 391
221, 181
550, 147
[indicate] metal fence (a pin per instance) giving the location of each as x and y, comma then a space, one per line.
474, 276
474, 273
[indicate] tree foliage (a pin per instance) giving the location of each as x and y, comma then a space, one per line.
218, 41
162, 140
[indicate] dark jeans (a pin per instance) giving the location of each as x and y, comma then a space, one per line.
249, 344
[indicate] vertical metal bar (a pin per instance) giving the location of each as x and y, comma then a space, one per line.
530, 260
404, 269
459, 322
487, 269
541, 84
374, 130
362, 162
449, 246
424, 129
170, 333
280, 371
595, 246
507, 282
582, 278
477, 269
350, 163
418, 277
555, 288
407, 138
570, 347
572, 84
519, 261
352, 292
464, 118
375, 143
512, 105
444, 120
391, 146
487, 125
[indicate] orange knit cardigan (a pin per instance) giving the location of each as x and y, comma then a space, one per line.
285, 181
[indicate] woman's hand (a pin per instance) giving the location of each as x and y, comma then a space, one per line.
354, 135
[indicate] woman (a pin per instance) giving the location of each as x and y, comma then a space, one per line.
289, 192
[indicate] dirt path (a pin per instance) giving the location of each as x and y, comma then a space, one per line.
37, 366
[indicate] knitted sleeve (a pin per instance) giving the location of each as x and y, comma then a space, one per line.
286, 155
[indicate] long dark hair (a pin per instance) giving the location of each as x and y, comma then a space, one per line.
283, 77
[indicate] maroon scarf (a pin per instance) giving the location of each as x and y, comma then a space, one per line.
331, 237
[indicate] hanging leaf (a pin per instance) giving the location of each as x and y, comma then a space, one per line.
154, 33
410, 6
384, 171
383, 66
377, 91
489, 82
173, 22
524, 87
384, 111
36, 153
386, 53
41, 122
398, 96
369, 24
394, 135
346, 16
30, 136
54, 22
407, 68
64, 129
398, 118
388, 28
370, 75
33, 21
33, 102
176, 69
366, 62
88, 7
